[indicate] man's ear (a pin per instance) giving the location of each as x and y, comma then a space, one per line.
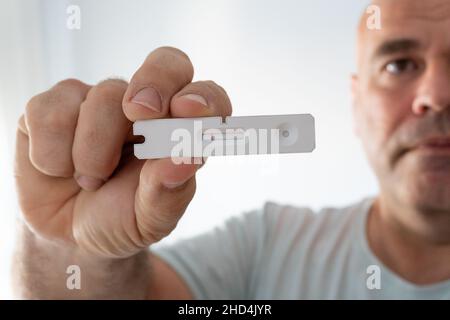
355, 102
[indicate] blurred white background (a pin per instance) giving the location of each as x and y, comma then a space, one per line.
272, 57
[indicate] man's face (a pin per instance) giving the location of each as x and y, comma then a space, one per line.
402, 101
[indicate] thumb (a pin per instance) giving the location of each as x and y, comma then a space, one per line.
164, 192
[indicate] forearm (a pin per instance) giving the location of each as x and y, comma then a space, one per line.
40, 272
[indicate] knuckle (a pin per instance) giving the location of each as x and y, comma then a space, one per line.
70, 84
47, 110
40, 113
107, 93
110, 86
55, 122
35, 104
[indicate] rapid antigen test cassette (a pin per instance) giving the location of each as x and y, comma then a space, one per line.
215, 136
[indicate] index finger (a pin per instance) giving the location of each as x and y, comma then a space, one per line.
164, 72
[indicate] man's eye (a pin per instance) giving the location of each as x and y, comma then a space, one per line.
400, 66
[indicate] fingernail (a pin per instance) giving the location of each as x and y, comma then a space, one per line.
195, 97
149, 98
173, 185
89, 183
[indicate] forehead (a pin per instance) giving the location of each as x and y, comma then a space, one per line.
414, 9
426, 21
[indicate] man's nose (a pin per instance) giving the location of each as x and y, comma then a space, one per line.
433, 94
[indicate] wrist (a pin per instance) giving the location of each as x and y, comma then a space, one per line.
46, 269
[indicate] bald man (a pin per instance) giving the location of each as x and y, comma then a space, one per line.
87, 202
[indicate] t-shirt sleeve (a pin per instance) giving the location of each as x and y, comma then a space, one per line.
219, 264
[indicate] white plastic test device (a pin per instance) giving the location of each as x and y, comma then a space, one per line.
215, 136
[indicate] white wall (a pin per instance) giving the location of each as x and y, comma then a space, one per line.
273, 57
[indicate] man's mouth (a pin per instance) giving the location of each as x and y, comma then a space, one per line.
434, 145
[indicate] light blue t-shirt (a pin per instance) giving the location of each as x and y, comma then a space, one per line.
283, 252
